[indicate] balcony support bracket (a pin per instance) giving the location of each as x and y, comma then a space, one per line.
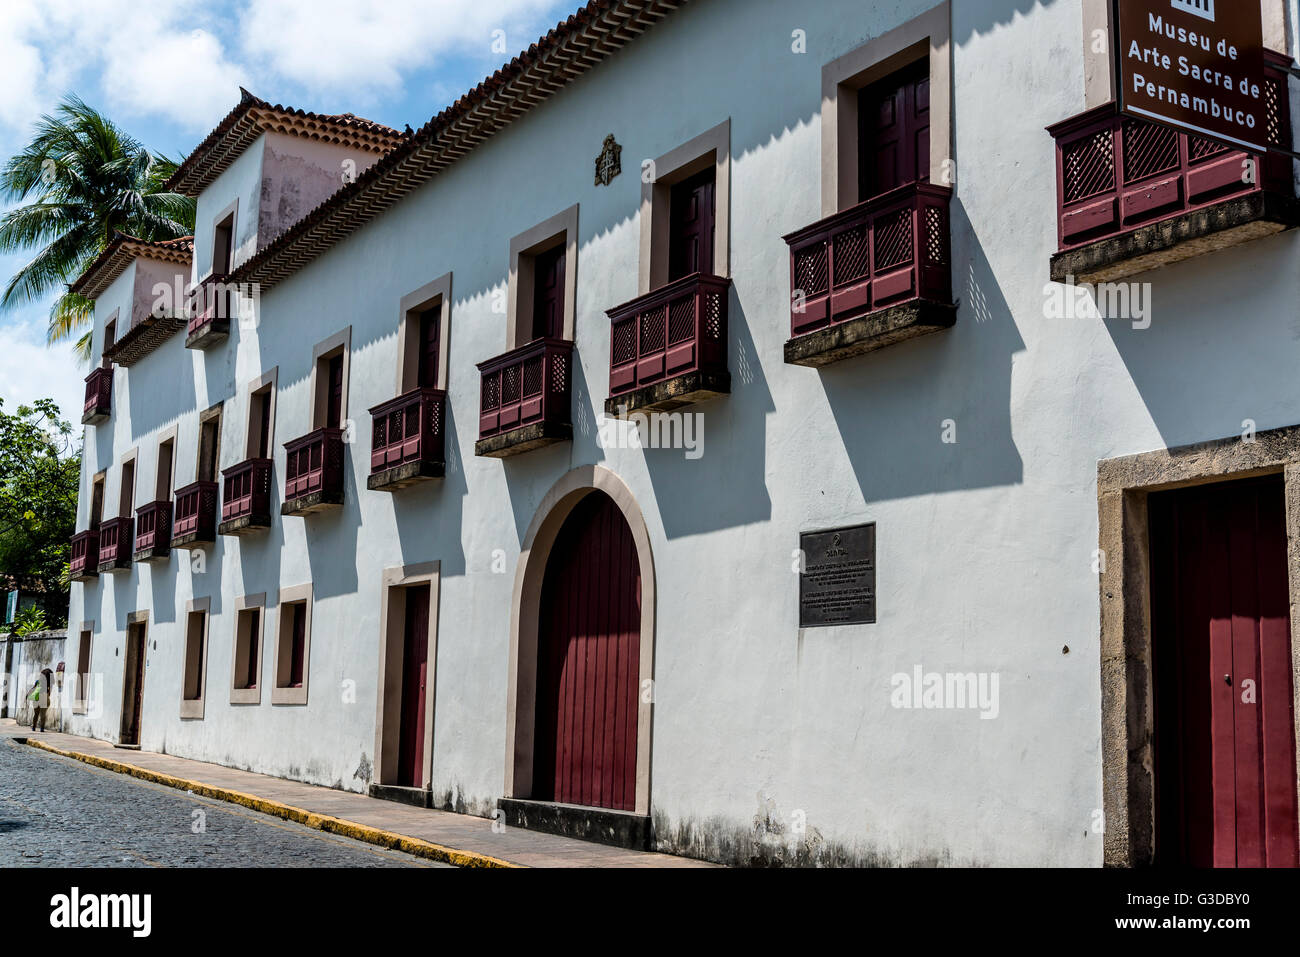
524, 439
244, 525
400, 476
312, 502
876, 330
1229, 223
670, 394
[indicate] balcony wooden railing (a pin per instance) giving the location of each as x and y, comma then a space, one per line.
195, 514
85, 555
1116, 173
153, 530
676, 330
880, 253
527, 386
99, 396
211, 312
115, 544
407, 438
313, 471
246, 496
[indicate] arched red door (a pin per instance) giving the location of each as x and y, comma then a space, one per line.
588, 662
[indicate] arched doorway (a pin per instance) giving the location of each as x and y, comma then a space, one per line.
588, 661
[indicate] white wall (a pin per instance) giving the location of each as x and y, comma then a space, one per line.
984, 546
240, 182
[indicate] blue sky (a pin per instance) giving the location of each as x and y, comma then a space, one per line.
168, 70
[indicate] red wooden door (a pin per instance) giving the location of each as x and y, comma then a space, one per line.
415, 682
334, 407
254, 649
132, 684
894, 131
548, 293
589, 648
690, 248
1224, 711
97, 504
428, 356
264, 425
298, 644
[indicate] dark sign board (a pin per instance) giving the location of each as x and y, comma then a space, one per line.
838, 582
1197, 65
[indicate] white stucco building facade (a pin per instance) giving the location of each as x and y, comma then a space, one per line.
989, 453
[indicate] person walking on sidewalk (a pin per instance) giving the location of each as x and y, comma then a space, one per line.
40, 699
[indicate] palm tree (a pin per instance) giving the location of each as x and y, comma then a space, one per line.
83, 180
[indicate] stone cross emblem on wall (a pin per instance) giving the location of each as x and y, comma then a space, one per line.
608, 163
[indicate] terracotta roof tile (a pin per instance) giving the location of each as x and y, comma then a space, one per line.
123, 250
574, 47
254, 116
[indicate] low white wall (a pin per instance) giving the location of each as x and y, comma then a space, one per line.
23, 659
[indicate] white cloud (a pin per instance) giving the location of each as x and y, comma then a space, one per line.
31, 370
128, 58
344, 47
183, 60
21, 66
148, 58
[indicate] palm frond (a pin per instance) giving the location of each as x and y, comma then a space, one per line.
83, 179
69, 314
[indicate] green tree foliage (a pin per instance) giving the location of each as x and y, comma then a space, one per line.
40, 470
81, 180
29, 620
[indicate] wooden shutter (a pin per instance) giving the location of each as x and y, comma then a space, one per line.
298, 645
430, 329
254, 631
548, 293
894, 131
691, 230
263, 400
334, 402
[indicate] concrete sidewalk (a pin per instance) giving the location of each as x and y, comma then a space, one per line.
440, 835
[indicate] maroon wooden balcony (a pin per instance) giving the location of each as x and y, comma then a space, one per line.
99, 396
1133, 195
153, 531
877, 273
211, 311
524, 398
313, 472
245, 497
85, 556
195, 519
115, 544
668, 348
406, 439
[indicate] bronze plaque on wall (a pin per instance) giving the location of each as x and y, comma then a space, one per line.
838, 583
1197, 65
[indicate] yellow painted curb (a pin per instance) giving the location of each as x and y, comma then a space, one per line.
321, 822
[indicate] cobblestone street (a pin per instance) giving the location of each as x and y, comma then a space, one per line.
59, 812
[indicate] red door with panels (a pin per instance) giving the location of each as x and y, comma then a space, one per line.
334, 403
588, 662
691, 225
415, 682
133, 684
1224, 707
427, 361
894, 131
548, 293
